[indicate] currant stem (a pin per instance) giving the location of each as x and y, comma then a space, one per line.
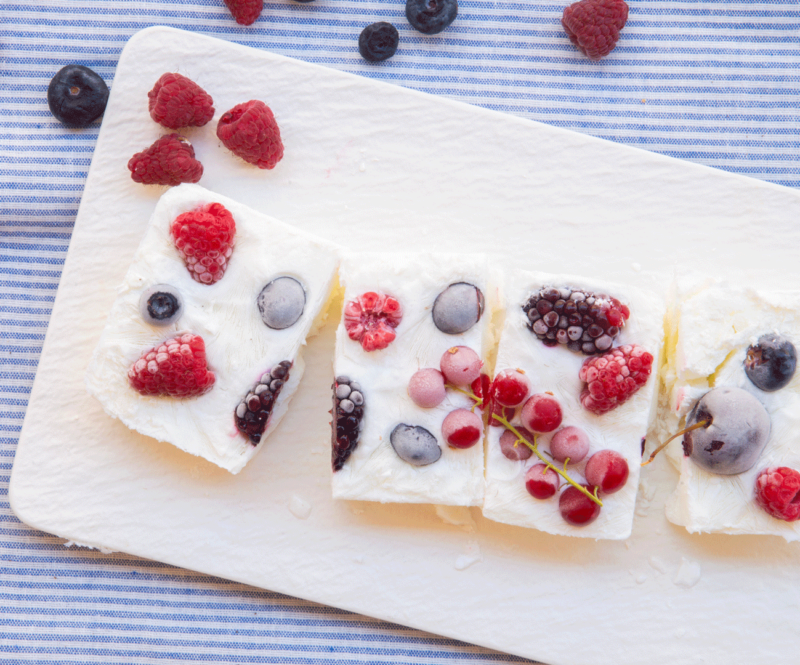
478, 401
697, 425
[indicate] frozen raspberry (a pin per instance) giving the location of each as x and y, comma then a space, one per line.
245, 11
204, 239
580, 320
594, 25
371, 319
348, 411
778, 492
176, 101
169, 161
249, 131
253, 412
614, 377
175, 368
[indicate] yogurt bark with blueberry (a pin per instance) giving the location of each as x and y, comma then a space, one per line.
202, 347
401, 313
731, 356
563, 333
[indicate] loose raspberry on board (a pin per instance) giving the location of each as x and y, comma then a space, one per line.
613, 378
594, 25
175, 368
176, 101
778, 492
245, 11
250, 131
371, 319
204, 239
169, 161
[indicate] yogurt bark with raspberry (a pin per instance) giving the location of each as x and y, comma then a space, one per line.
223, 314
556, 369
710, 326
403, 326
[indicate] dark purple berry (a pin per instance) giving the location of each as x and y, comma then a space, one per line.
253, 412
378, 42
281, 303
77, 96
457, 308
160, 305
431, 16
348, 411
770, 364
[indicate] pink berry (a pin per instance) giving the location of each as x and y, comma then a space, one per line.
541, 413
426, 388
576, 508
513, 450
511, 387
607, 470
569, 443
541, 482
778, 492
460, 365
462, 428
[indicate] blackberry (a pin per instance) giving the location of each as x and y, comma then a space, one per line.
378, 41
253, 412
77, 96
348, 411
580, 320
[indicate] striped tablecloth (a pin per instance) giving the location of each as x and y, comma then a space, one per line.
712, 81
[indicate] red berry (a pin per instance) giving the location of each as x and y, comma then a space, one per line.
541, 413
204, 239
607, 470
576, 508
510, 387
460, 365
778, 492
176, 101
594, 25
175, 368
462, 428
569, 443
426, 388
481, 388
245, 11
371, 319
513, 450
169, 161
250, 131
613, 378
541, 481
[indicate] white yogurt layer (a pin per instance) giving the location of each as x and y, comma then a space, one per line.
555, 370
710, 327
239, 346
374, 472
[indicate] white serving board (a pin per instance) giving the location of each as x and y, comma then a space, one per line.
375, 166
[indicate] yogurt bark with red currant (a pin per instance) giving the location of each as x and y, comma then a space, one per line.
402, 313
587, 352
202, 347
740, 345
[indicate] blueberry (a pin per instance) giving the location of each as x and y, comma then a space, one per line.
457, 308
431, 16
160, 305
378, 41
281, 303
415, 445
736, 432
770, 364
77, 96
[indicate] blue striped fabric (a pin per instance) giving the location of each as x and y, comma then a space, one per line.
713, 81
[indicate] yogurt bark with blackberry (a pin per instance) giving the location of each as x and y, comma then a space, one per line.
732, 351
402, 312
586, 353
202, 347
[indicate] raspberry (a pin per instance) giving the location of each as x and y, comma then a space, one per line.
778, 492
245, 11
169, 161
594, 25
371, 319
249, 131
175, 368
253, 412
176, 101
611, 379
348, 410
580, 320
204, 239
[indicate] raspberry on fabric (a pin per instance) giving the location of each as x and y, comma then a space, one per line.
245, 11
175, 368
778, 492
249, 131
169, 161
176, 101
594, 25
612, 378
204, 239
371, 319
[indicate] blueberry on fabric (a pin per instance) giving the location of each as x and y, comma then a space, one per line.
77, 96
378, 41
431, 16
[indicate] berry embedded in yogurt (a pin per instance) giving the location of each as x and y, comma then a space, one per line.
371, 319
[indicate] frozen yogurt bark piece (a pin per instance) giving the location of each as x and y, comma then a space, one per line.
711, 328
253, 322
402, 312
555, 369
